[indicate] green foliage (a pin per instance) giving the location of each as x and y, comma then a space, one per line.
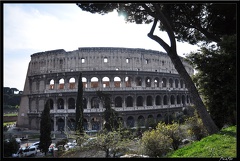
10, 146
110, 115
216, 79
195, 127
173, 131
220, 145
110, 141
155, 144
45, 129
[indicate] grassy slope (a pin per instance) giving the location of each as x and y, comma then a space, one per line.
222, 144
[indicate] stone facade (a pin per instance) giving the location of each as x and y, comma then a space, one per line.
143, 85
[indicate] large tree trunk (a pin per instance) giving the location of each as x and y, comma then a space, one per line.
172, 53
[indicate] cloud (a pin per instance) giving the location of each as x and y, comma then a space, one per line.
31, 28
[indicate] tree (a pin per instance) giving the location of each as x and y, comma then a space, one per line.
190, 25
110, 115
216, 79
79, 107
45, 129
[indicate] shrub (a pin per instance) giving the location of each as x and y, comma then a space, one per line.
173, 131
196, 128
156, 144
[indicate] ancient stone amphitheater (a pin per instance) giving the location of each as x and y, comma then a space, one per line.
143, 85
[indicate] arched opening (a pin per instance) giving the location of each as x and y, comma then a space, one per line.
164, 82
71, 103
149, 100
139, 101
95, 102
60, 103
138, 81
105, 82
117, 82
128, 81
50, 101
94, 82
118, 101
71, 83
141, 121
148, 82
130, 121
61, 84
158, 100
129, 101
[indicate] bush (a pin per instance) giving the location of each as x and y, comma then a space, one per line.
156, 144
173, 131
10, 146
196, 128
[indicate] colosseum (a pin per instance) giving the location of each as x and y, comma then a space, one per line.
143, 85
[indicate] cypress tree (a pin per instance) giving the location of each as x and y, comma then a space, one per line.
79, 107
45, 129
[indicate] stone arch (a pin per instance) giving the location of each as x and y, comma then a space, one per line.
165, 100
84, 103
72, 82
156, 82
176, 83
51, 103
141, 121
130, 121
118, 101
138, 81
94, 82
158, 100
71, 124
178, 99
128, 81
129, 101
60, 124
139, 101
60, 103
71, 103
61, 83
51, 84
148, 82
84, 82
117, 82
149, 101
172, 100
95, 102
105, 82
164, 82
170, 83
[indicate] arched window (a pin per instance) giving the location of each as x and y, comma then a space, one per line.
149, 100
117, 82
158, 100
139, 101
148, 82
141, 121
105, 82
138, 81
94, 82
129, 101
71, 83
71, 103
118, 101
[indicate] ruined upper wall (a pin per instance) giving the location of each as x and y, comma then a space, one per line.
102, 58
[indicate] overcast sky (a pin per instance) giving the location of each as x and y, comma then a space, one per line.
37, 27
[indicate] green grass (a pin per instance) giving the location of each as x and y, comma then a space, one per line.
220, 145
